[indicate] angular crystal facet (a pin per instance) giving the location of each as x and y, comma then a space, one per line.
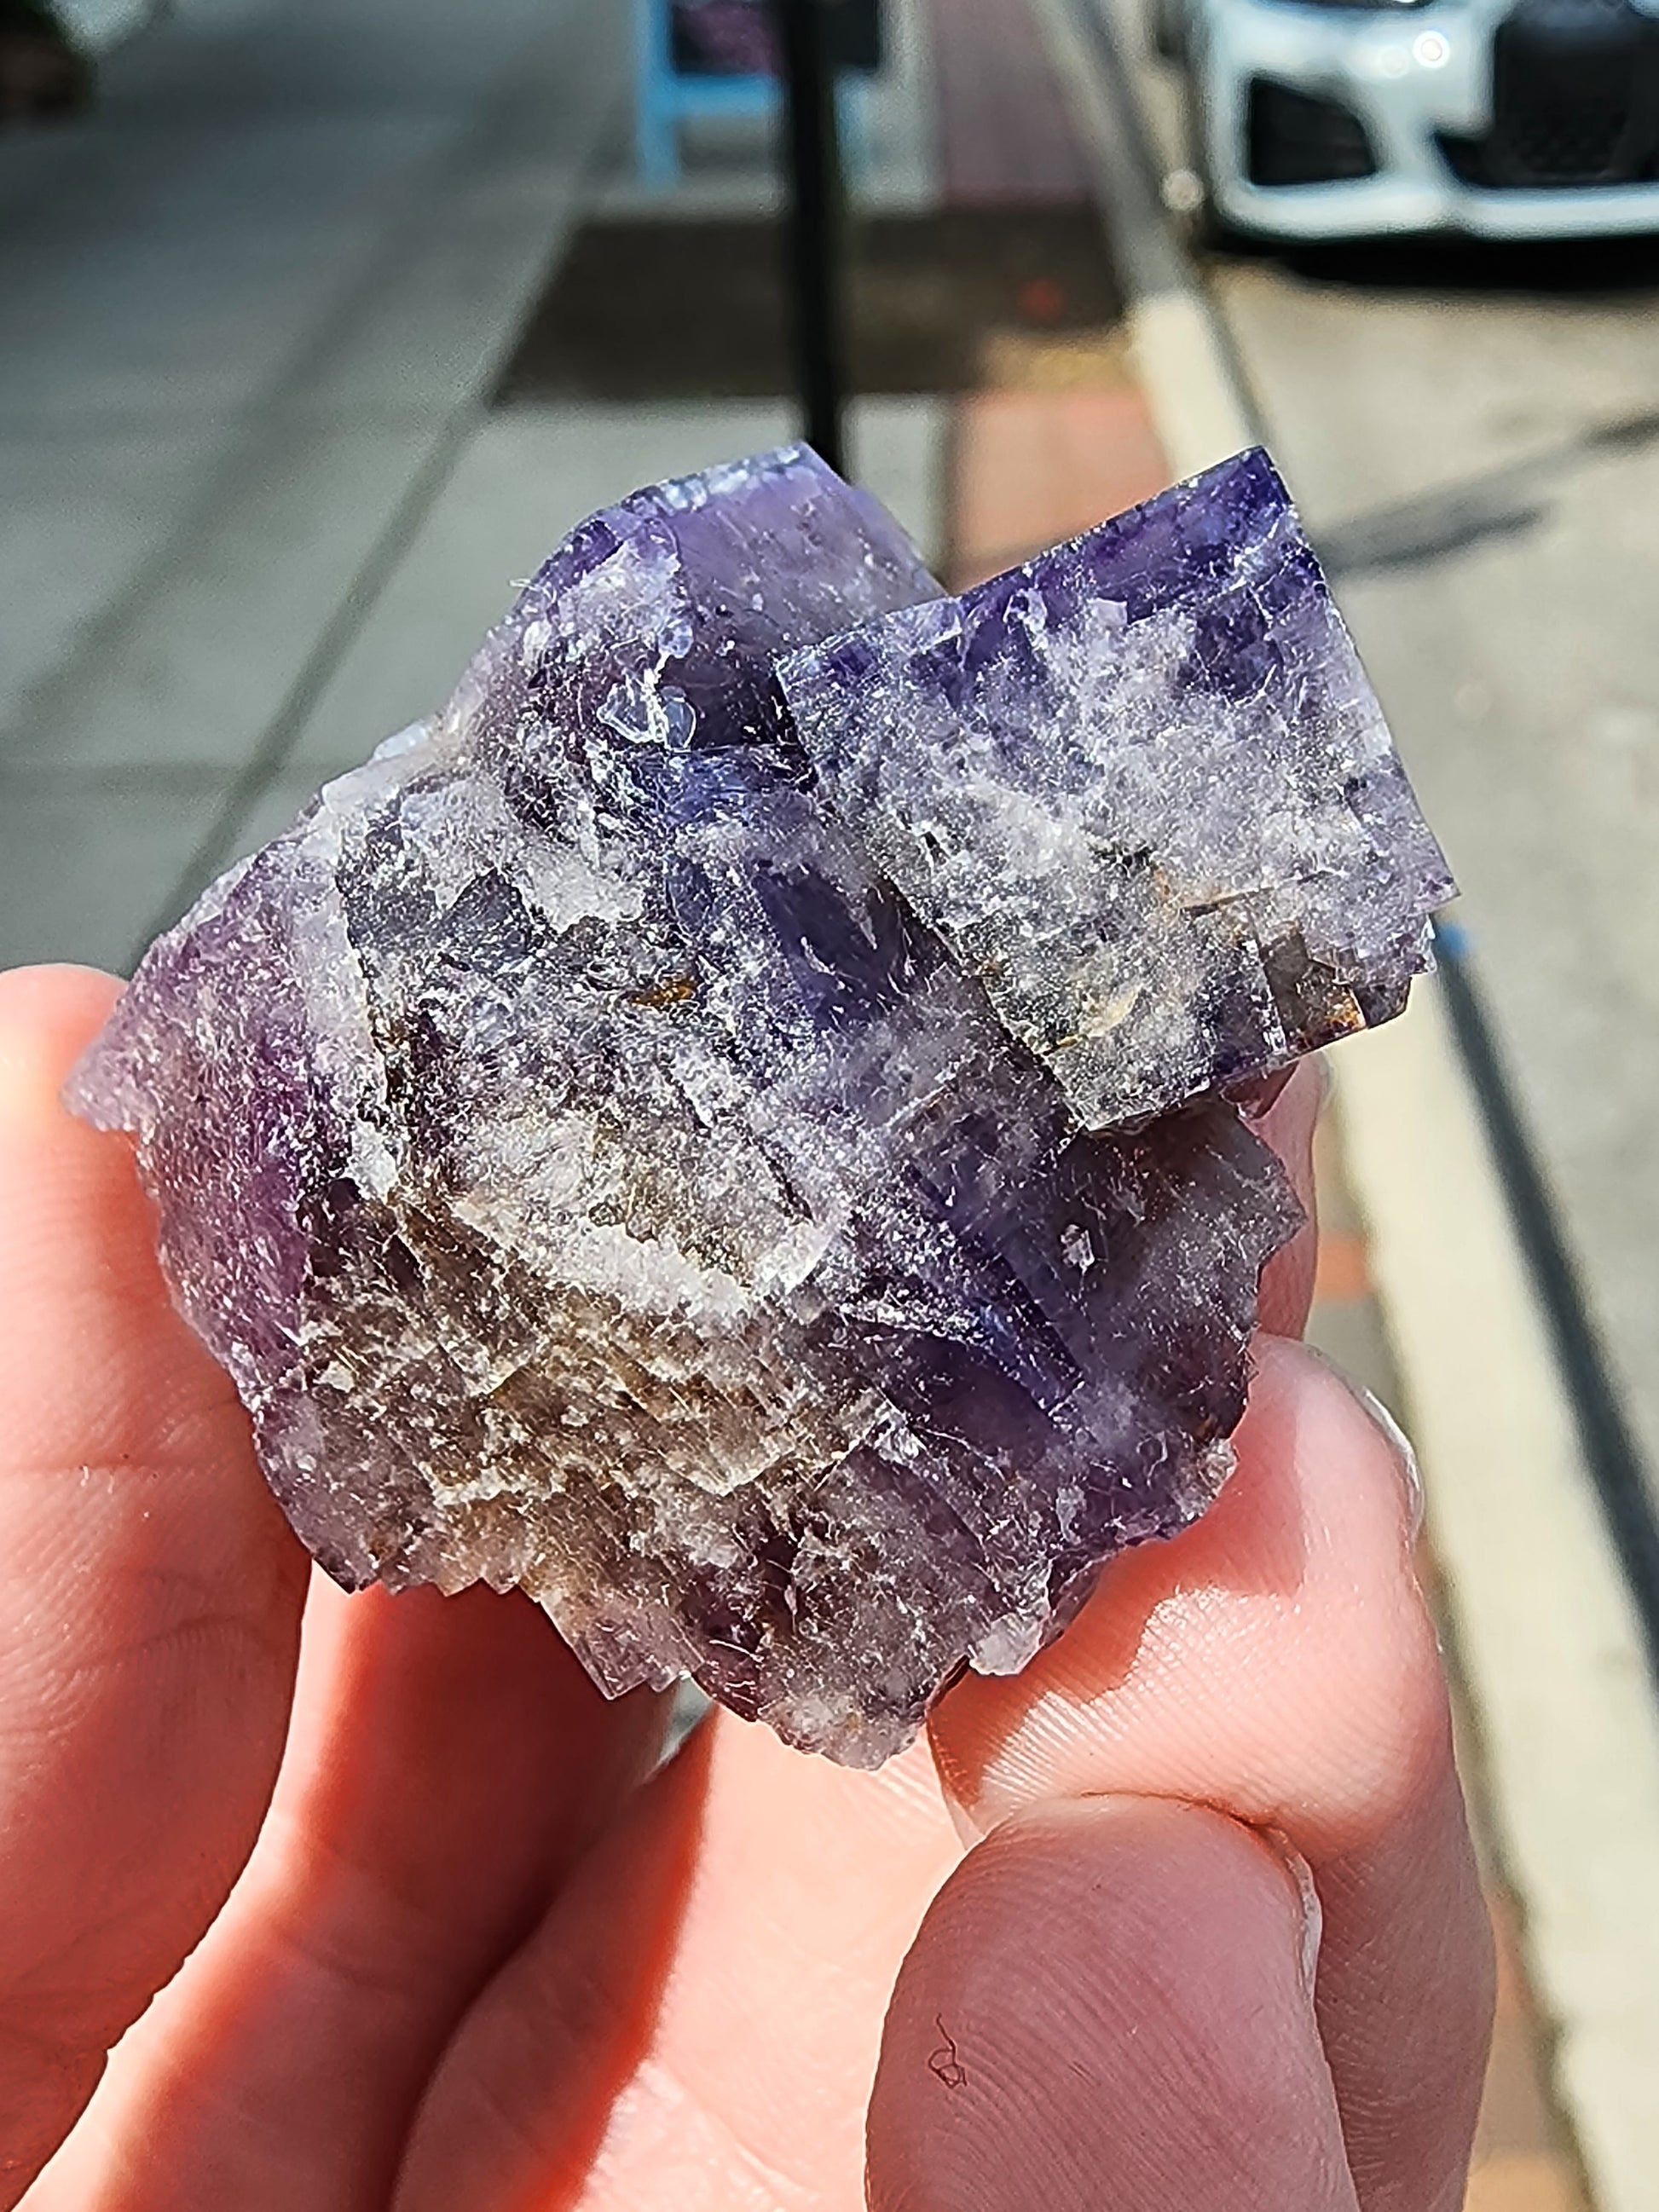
1144, 791
598, 1177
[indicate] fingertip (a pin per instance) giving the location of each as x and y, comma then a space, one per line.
1108, 1999
96, 1363
48, 1016
1344, 1455
1275, 1658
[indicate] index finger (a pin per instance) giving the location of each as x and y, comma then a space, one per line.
149, 1594
1276, 1661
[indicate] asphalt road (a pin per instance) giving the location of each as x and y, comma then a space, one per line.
1474, 440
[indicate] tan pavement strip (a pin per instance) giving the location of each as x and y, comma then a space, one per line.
1546, 1636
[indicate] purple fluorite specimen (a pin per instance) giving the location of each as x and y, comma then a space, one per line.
598, 1179
1143, 790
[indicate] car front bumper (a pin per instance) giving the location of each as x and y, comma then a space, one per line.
1417, 80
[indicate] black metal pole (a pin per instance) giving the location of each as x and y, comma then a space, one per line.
814, 258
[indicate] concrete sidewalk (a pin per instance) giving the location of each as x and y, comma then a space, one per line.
252, 302
258, 510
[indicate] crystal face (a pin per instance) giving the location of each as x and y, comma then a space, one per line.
597, 1177
1144, 791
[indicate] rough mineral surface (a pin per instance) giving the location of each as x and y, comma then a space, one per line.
1144, 791
597, 1178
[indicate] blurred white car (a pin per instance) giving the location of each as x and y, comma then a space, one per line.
1356, 119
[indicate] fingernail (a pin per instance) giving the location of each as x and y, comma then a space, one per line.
1401, 1448
970, 1830
1313, 1915
1410, 1474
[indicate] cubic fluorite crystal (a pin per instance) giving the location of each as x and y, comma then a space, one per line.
1144, 791
587, 1152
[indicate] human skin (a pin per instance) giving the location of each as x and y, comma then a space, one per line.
464, 1955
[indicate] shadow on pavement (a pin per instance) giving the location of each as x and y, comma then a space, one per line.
1563, 268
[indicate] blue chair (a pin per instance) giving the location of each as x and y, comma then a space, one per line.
665, 97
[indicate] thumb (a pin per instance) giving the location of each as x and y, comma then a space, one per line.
149, 1594
1109, 2002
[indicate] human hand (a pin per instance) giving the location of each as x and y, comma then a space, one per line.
470, 1963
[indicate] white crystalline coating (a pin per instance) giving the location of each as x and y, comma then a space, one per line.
1144, 792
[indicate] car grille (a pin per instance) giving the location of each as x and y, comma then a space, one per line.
1575, 100
1300, 138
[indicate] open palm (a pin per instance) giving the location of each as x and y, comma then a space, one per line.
425, 1939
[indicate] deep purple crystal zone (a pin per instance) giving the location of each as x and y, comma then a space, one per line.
1143, 789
